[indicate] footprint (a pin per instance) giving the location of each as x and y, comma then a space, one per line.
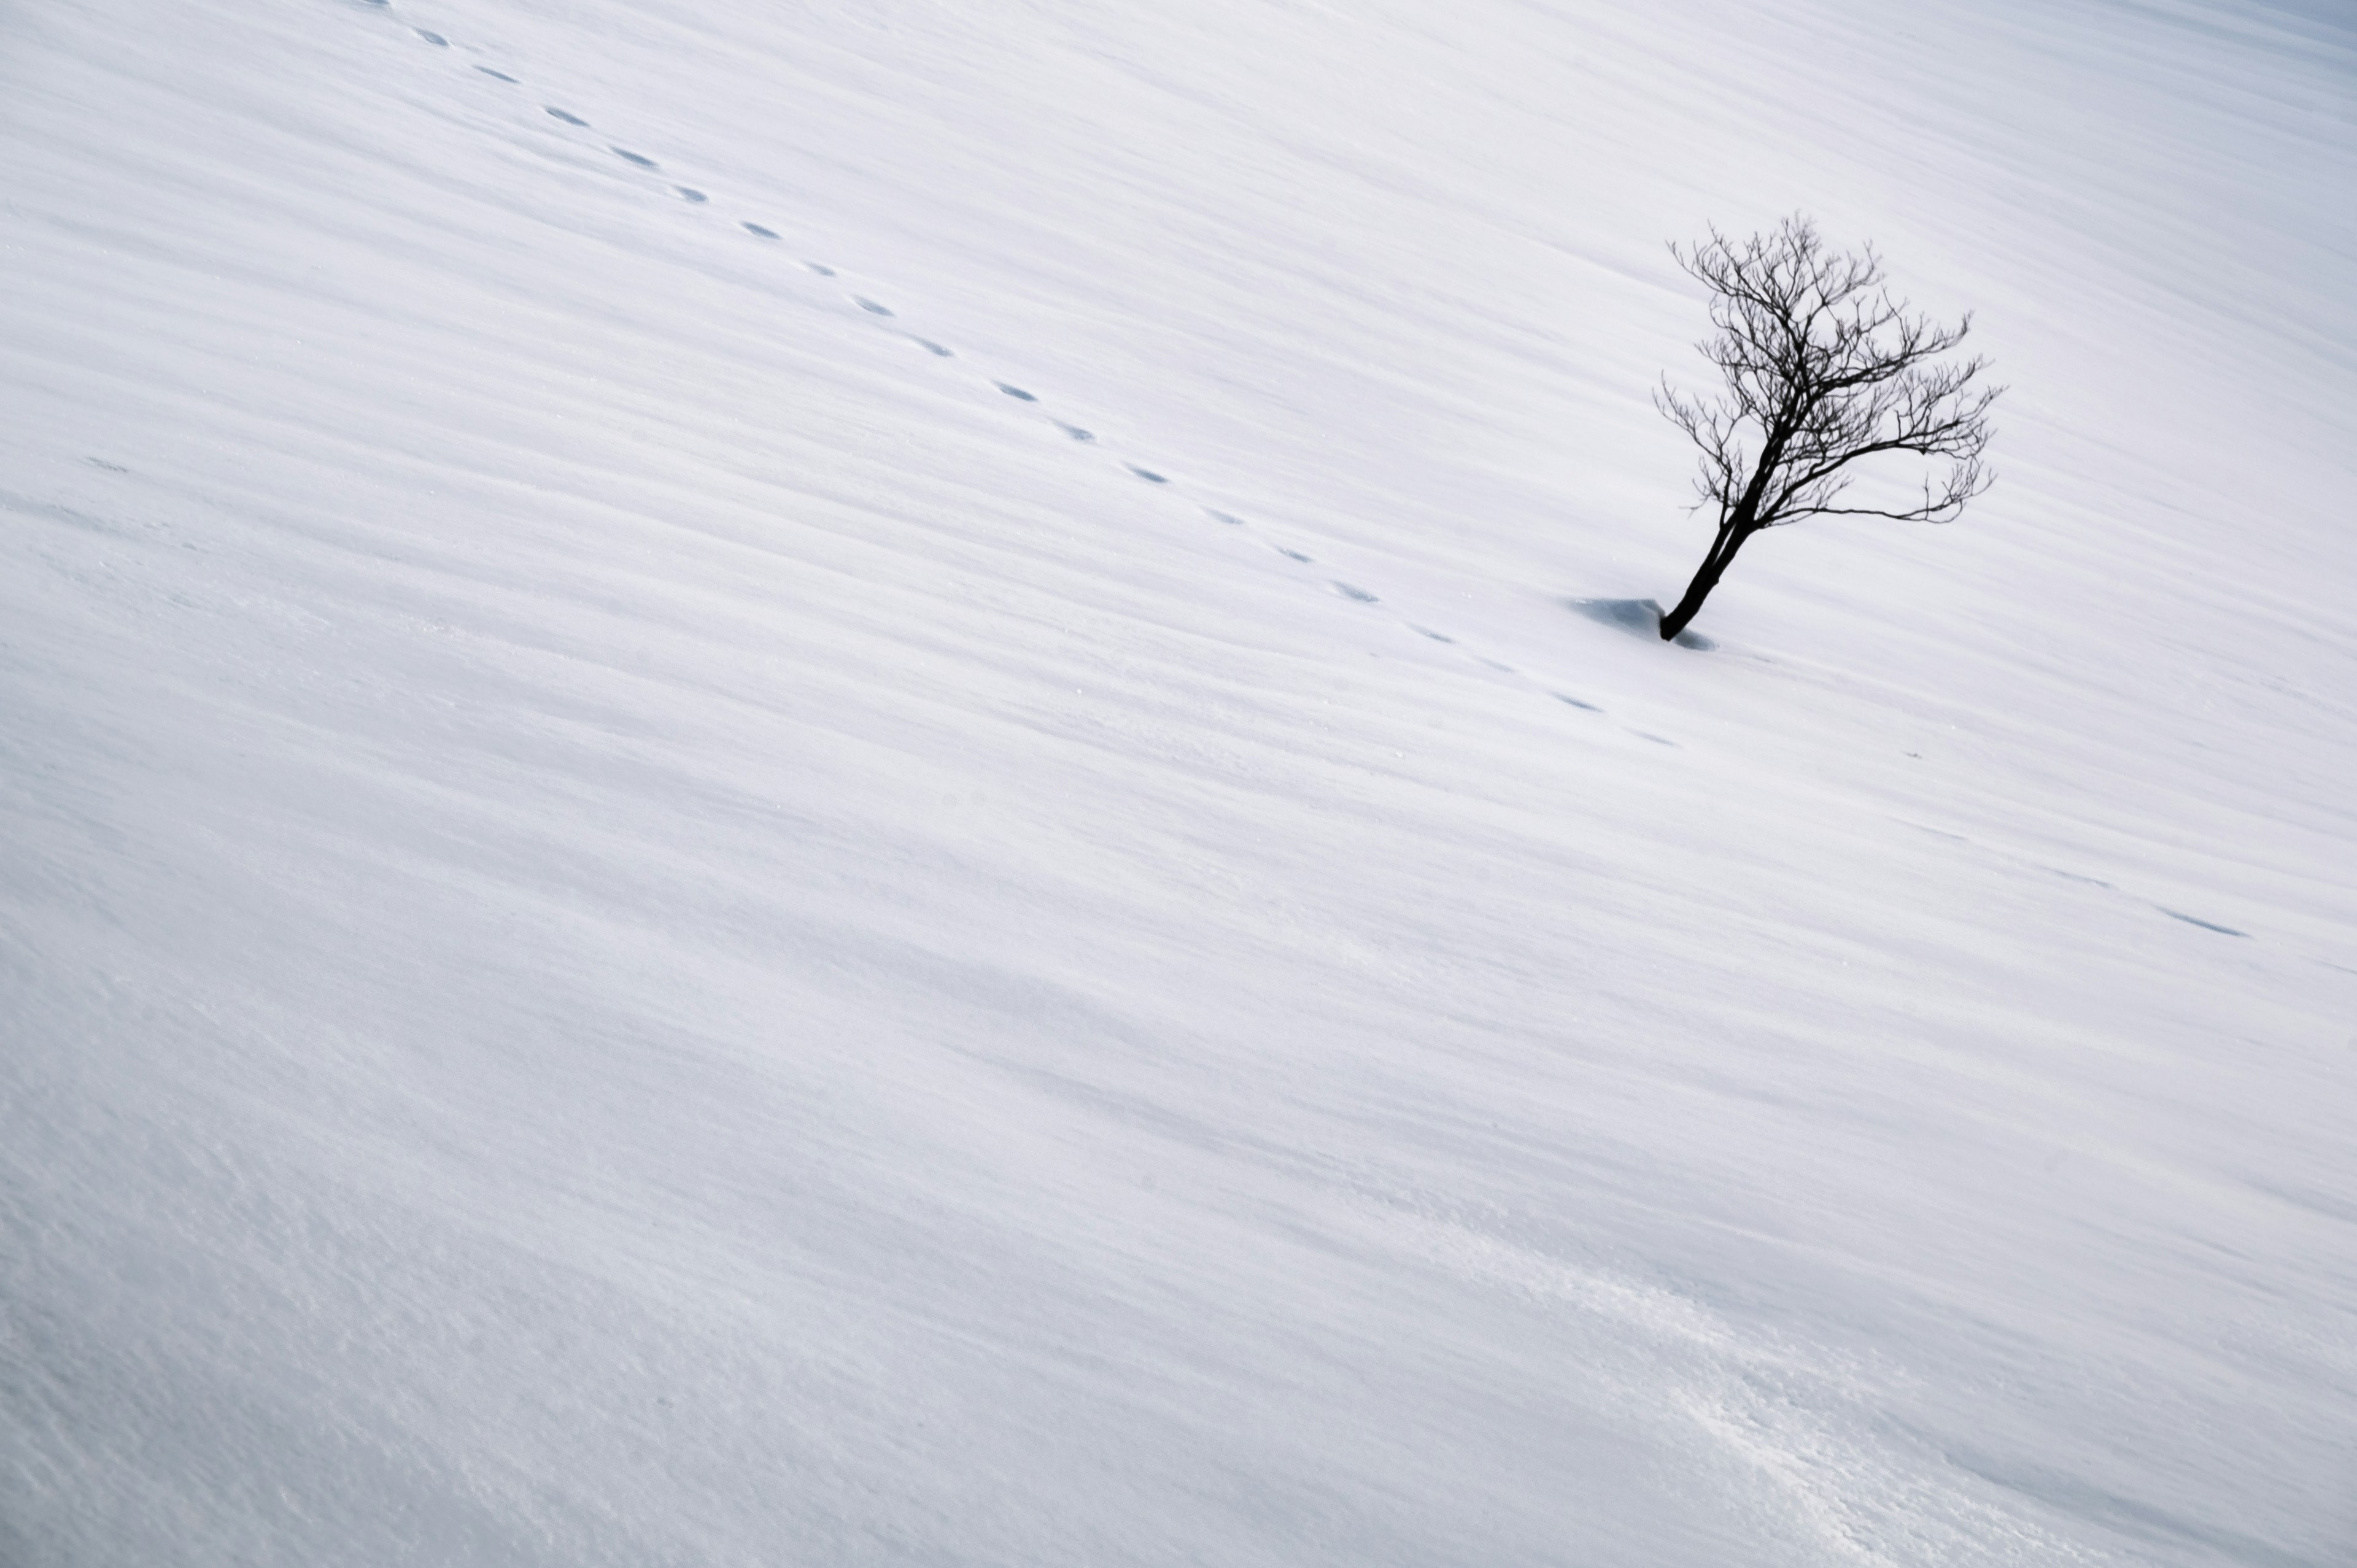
930, 347
436, 39
1148, 475
870, 306
556, 113
1227, 518
1657, 740
1576, 702
630, 158
1014, 391
686, 193
1294, 556
1075, 432
1436, 635
1361, 595
757, 229
103, 463
500, 75
1500, 668
822, 270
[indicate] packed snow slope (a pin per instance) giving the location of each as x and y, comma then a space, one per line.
867, 783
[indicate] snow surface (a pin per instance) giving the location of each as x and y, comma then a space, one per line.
648, 917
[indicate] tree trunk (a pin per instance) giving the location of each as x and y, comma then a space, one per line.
1722, 551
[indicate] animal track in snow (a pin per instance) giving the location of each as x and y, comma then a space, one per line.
1623, 613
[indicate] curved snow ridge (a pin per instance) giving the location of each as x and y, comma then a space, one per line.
880, 311
1808, 1425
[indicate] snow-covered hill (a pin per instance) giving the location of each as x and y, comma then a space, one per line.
857, 783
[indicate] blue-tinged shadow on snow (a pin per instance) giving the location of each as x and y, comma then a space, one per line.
1639, 618
2205, 925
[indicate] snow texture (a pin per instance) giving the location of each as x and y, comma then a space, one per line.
885, 783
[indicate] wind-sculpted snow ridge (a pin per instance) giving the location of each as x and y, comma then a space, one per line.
874, 787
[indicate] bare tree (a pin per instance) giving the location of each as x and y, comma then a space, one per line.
1822, 369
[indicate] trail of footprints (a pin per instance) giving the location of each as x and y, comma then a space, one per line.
883, 312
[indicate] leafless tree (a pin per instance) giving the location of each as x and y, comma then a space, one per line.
1823, 367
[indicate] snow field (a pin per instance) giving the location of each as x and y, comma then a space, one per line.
647, 920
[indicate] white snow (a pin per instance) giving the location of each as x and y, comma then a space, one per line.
645, 919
